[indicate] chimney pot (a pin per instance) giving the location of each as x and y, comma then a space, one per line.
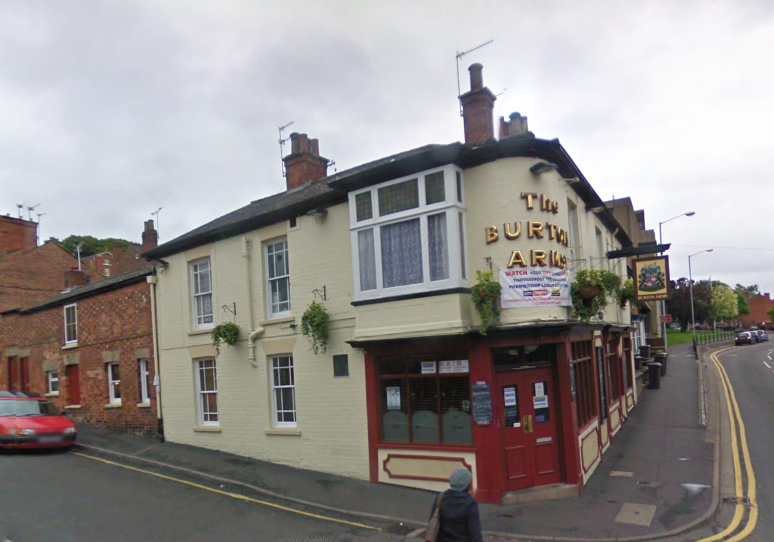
476, 76
150, 237
295, 143
314, 147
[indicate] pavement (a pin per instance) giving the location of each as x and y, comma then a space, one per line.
660, 476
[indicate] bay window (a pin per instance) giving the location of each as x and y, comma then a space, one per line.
408, 235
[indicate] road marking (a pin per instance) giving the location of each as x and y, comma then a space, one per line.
767, 365
227, 493
734, 416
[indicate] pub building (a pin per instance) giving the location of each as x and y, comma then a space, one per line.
394, 250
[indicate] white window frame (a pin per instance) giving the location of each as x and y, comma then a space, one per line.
275, 385
112, 381
107, 271
201, 365
200, 321
269, 301
455, 211
52, 377
144, 376
71, 338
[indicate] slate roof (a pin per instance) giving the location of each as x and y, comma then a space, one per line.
332, 190
88, 290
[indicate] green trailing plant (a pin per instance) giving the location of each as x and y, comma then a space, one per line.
315, 326
591, 290
227, 332
626, 293
486, 298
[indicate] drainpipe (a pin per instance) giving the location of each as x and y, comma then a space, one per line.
257, 332
152, 280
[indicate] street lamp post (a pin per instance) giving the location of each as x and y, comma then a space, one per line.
663, 301
693, 314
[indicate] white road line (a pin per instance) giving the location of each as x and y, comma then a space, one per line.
767, 365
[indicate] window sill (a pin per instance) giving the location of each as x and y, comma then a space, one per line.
69, 346
53, 394
113, 405
289, 432
143, 405
73, 407
416, 295
283, 320
207, 429
200, 331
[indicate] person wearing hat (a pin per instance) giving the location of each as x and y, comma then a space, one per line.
460, 520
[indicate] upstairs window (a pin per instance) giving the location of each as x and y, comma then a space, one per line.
201, 292
278, 278
71, 324
408, 235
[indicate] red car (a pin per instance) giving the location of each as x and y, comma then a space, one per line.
29, 421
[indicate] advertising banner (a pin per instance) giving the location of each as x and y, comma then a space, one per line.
535, 287
651, 278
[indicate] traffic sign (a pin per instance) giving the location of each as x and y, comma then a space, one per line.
666, 318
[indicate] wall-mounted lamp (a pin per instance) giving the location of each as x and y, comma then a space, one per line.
543, 167
597, 210
572, 180
318, 214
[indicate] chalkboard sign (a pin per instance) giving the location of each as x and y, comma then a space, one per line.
482, 403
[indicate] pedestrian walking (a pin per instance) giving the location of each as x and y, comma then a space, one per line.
458, 516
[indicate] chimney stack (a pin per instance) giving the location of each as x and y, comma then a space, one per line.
304, 163
150, 237
477, 108
17, 234
74, 278
517, 125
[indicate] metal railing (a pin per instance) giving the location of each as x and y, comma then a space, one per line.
708, 337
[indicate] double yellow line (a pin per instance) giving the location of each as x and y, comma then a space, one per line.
738, 438
230, 494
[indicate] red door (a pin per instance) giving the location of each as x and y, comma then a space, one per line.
14, 374
73, 385
527, 412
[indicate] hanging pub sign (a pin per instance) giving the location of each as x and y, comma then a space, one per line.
651, 278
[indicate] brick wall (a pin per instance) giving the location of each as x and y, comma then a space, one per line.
112, 326
17, 234
27, 277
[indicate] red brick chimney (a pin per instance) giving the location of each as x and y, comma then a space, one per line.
17, 234
304, 163
74, 277
117, 250
150, 237
517, 125
477, 107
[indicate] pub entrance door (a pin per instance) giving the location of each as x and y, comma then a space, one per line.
527, 411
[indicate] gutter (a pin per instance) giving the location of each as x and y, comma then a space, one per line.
152, 281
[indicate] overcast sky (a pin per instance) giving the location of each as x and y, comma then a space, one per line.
111, 110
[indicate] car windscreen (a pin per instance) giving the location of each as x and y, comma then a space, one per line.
20, 407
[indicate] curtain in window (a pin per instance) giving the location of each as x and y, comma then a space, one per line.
439, 247
367, 256
401, 253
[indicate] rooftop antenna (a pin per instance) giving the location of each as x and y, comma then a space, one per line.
20, 206
156, 214
282, 143
29, 211
459, 56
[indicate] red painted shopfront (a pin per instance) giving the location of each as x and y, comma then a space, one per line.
424, 406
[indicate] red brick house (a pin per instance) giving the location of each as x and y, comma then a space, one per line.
759, 305
31, 273
90, 349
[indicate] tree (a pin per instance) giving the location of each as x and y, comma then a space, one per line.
91, 245
747, 291
742, 306
770, 314
724, 304
679, 302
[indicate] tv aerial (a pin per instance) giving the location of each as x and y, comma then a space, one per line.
459, 56
281, 144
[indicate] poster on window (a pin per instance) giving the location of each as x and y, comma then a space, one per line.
393, 397
534, 287
453, 366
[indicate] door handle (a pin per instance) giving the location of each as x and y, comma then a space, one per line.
525, 423
531, 427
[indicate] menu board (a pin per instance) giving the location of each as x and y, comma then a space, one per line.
482, 403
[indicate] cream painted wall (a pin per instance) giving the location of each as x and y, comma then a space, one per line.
331, 435
493, 193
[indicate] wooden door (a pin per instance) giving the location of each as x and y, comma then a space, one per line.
527, 412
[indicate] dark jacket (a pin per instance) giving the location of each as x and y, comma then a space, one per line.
460, 521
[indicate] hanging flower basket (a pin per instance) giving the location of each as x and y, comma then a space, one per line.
486, 298
315, 324
224, 333
587, 292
